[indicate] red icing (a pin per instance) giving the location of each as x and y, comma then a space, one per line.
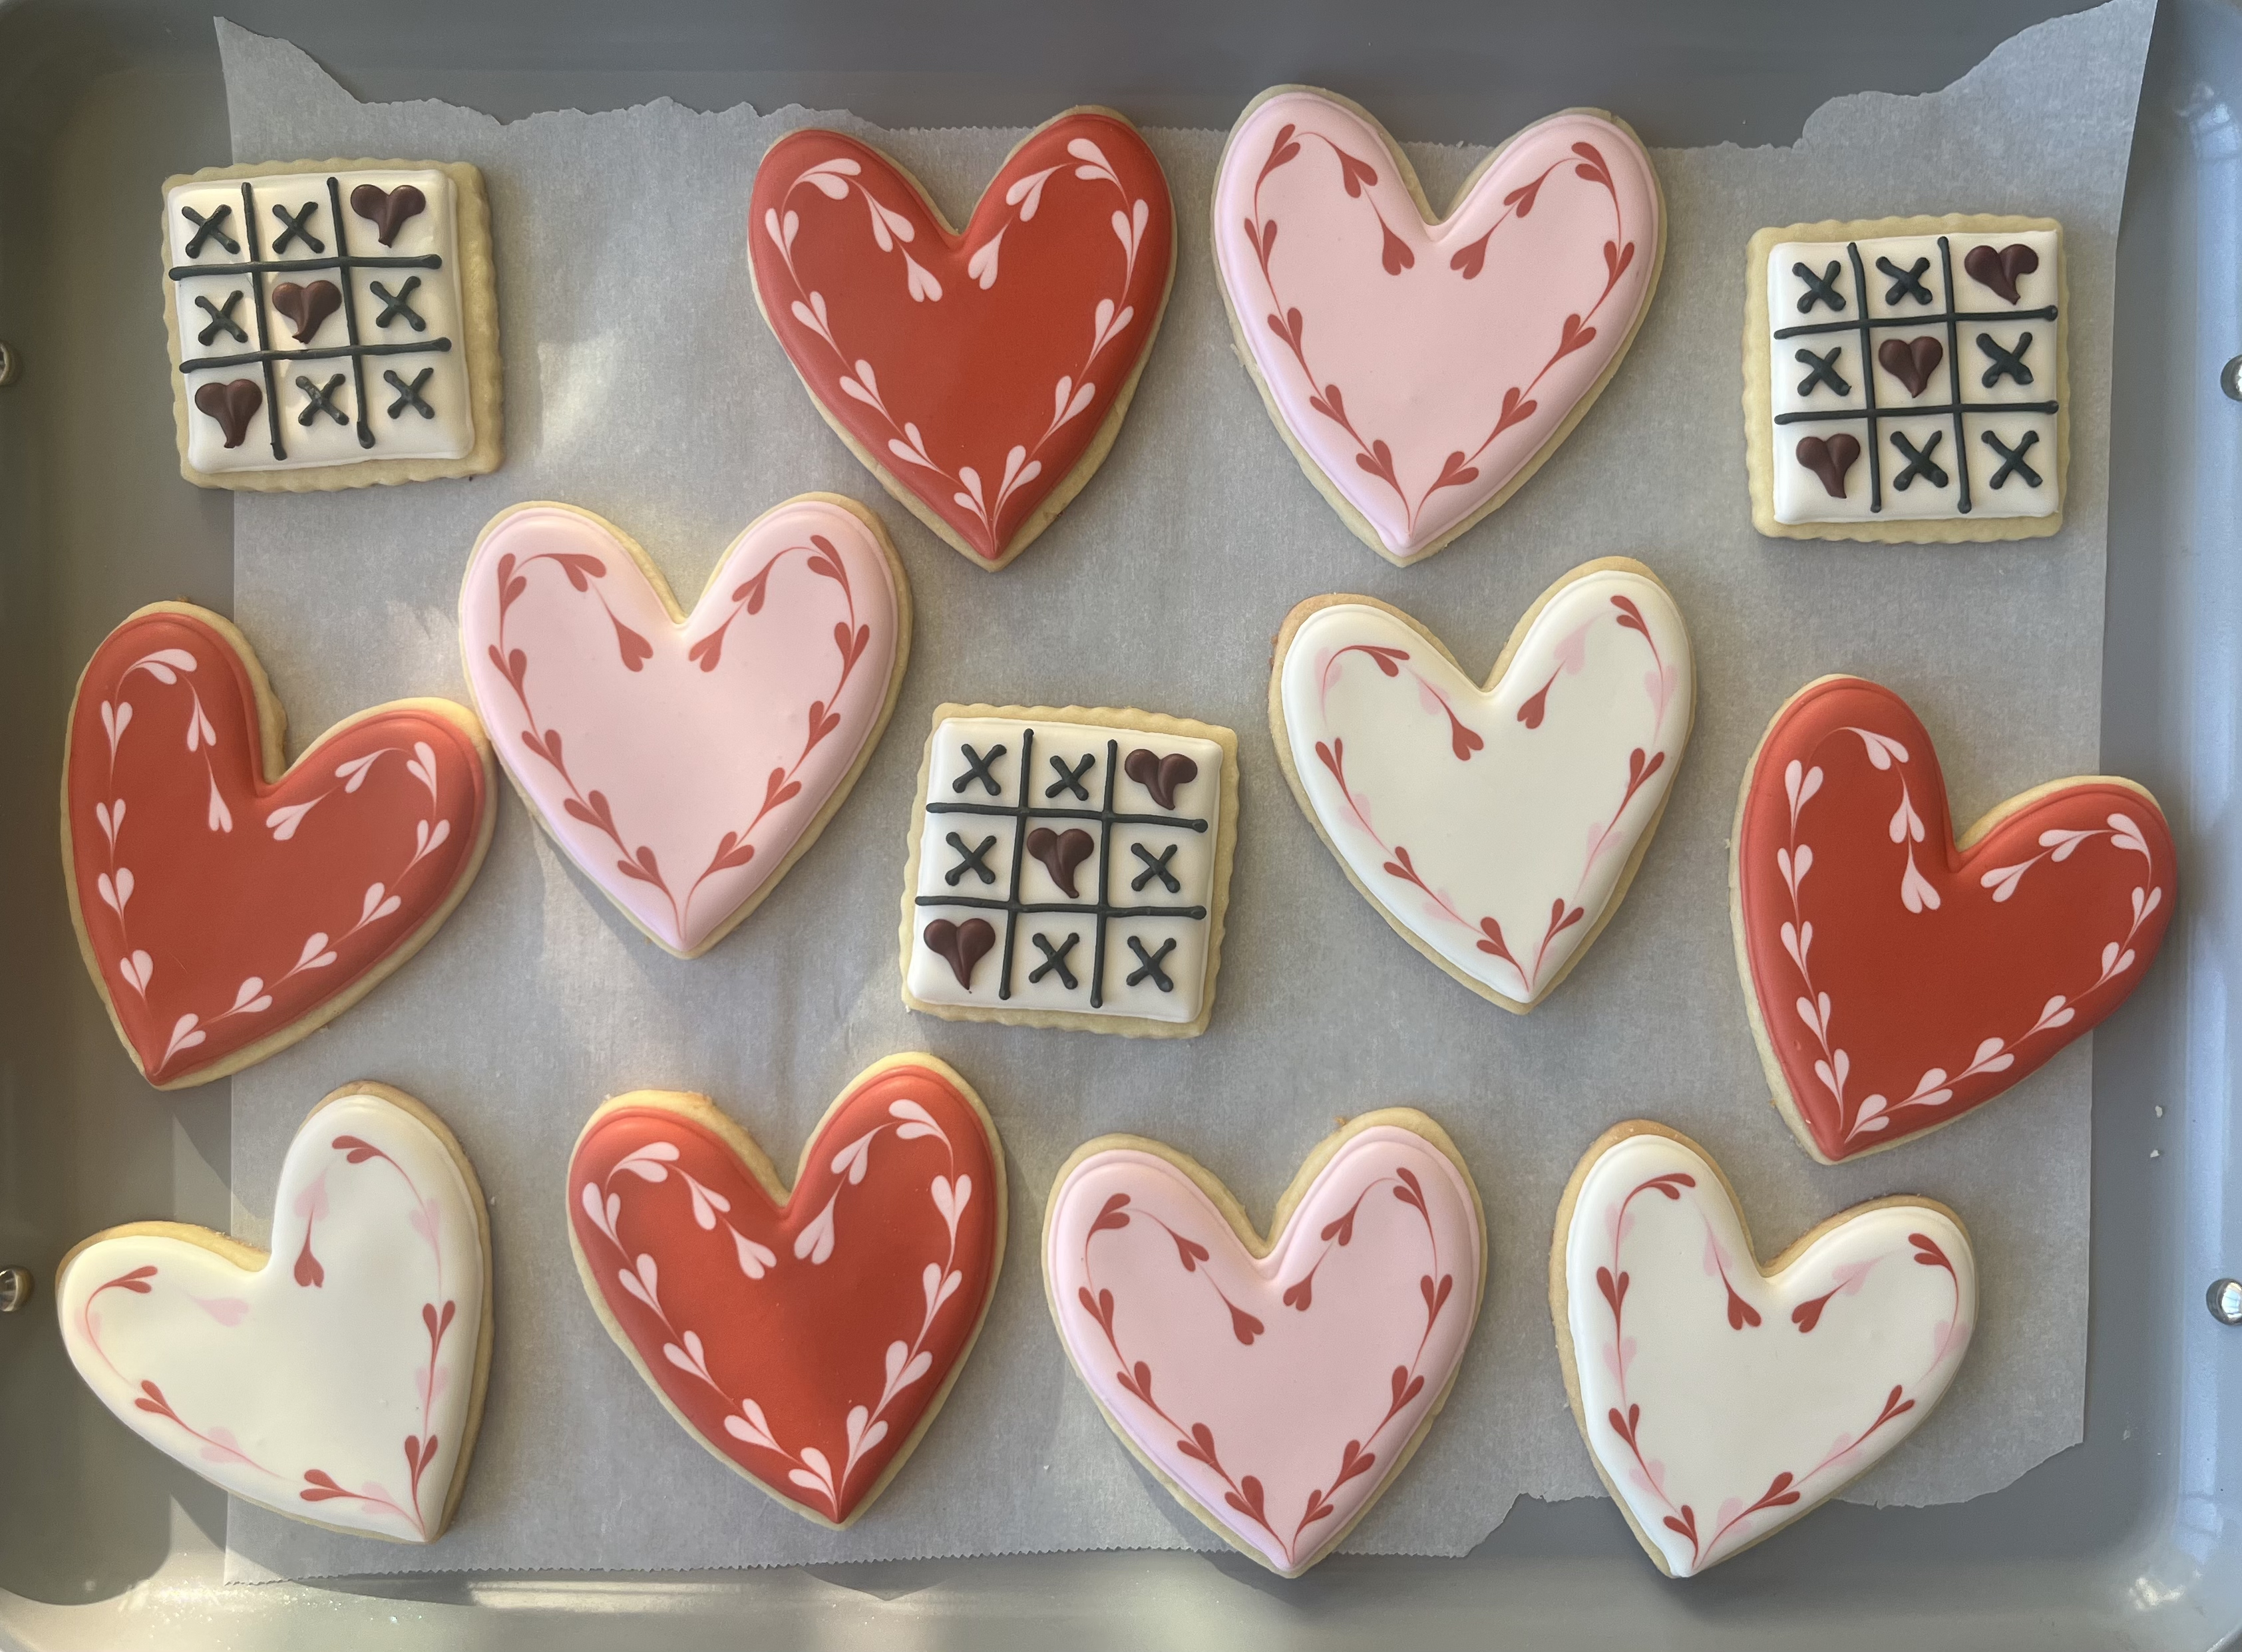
812, 1370
200, 904
974, 370
1918, 994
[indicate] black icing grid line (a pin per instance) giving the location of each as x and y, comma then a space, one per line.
1023, 814
1956, 407
344, 263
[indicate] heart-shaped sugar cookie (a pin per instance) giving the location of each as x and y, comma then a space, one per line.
808, 1338
1897, 979
1496, 829
1721, 1401
685, 762
337, 1379
1276, 1388
1421, 371
981, 376
224, 908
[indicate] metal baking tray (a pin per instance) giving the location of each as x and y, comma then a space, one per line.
2134, 1539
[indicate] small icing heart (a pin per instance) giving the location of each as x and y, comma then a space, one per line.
1999, 269
306, 306
1061, 852
962, 946
1831, 458
1912, 361
1160, 775
233, 404
387, 210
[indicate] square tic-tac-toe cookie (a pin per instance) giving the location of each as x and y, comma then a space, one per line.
1906, 379
333, 324
1069, 869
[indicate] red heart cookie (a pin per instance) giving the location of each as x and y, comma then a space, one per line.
225, 908
1897, 979
807, 1339
981, 376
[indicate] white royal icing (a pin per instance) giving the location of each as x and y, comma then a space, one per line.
2019, 416
336, 1383
1494, 826
1748, 1400
1183, 841
448, 431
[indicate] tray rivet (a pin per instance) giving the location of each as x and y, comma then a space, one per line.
15, 1289
2225, 1298
2230, 379
11, 363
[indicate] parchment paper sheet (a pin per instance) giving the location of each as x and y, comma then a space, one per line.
641, 383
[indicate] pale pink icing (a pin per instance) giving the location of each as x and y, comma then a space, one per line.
1424, 356
682, 755
1317, 1372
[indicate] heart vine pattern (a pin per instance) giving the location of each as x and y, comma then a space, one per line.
682, 764
285, 1384
807, 1342
1901, 981
972, 372
218, 910
1494, 827
1194, 1349
1722, 1404
1424, 368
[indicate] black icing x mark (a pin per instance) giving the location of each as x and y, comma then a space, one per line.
1822, 369
1151, 963
1069, 780
210, 229
1906, 283
319, 399
2007, 363
296, 226
409, 395
2012, 458
1919, 462
1819, 288
977, 768
221, 319
1160, 868
1054, 959
972, 861
397, 306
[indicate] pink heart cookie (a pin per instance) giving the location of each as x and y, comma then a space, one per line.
684, 762
1421, 371
1276, 1389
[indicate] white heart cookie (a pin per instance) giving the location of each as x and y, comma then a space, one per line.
1720, 1402
1497, 829
337, 1379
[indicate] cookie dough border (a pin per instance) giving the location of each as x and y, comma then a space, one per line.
1241, 1225
699, 1110
251, 1259
478, 274
1759, 404
1281, 731
1560, 1306
1358, 524
1218, 905
1063, 492
273, 730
